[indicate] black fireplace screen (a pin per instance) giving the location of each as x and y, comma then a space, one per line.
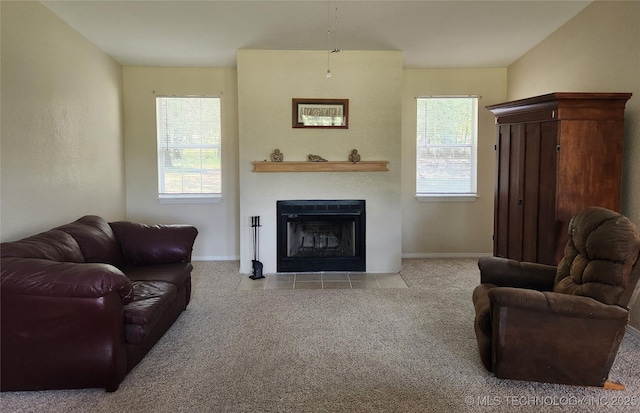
321, 235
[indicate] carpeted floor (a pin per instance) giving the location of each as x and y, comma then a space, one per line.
342, 350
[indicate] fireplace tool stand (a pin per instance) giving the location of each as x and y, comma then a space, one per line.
257, 265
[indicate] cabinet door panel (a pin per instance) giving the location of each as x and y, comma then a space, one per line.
501, 218
525, 221
531, 190
516, 162
547, 217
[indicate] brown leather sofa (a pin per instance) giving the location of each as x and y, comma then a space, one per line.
83, 303
561, 324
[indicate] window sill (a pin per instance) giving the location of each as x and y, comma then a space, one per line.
447, 198
190, 199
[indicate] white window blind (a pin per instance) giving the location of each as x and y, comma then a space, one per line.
189, 143
447, 141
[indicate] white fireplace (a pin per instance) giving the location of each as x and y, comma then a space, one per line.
267, 83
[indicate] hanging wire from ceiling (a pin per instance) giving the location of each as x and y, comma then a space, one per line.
335, 37
336, 49
328, 47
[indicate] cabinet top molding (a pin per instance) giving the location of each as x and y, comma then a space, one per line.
562, 106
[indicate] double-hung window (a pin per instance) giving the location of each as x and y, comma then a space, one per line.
446, 151
189, 157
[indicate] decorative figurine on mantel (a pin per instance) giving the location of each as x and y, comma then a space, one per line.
316, 158
277, 156
354, 156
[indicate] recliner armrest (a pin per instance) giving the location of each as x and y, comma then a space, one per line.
505, 272
553, 337
154, 244
555, 303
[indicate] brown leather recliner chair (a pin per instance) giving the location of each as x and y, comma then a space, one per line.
561, 324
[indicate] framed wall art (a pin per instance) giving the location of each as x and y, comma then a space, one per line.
320, 113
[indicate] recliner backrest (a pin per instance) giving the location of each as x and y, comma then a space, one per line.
600, 257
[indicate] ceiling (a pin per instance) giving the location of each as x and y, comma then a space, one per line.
431, 34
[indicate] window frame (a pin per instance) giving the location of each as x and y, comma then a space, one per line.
185, 197
450, 196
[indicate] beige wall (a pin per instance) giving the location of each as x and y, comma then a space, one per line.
63, 154
62, 140
450, 228
597, 51
217, 222
372, 81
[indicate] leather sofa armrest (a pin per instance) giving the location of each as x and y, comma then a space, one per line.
37, 277
62, 325
154, 244
505, 272
554, 303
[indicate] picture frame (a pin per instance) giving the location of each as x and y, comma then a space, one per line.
320, 113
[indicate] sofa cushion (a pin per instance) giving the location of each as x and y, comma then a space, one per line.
151, 300
96, 240
177, 273
52, 245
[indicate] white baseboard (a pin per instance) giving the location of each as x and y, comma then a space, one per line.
215, 258
446, 255
633, 331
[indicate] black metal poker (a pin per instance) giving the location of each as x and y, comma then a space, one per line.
257, 265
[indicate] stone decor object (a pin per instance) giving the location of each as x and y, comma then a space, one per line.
277, 156
354, 156
316, 158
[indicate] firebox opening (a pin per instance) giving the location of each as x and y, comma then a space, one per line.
321, 235
320, 238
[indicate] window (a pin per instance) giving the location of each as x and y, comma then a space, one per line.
189, 155
446, 153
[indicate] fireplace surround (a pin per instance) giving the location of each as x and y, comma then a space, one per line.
321, 235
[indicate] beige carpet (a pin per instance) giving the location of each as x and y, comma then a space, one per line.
342, 350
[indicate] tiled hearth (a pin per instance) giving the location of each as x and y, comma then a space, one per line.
322, 280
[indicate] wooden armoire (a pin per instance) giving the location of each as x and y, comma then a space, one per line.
556, 154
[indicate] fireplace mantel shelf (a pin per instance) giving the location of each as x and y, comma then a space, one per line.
329, 166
